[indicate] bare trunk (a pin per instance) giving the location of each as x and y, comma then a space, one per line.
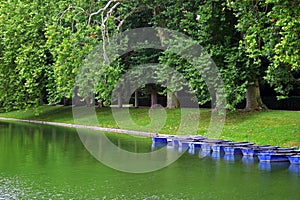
253, 98
161, 33
153, 98
136, 100
88, 102
76, 98
120, 104
65, 101
172, 101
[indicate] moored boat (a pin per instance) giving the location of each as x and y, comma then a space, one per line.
175, 140
218, 148
274, 156
195, 145
294, 159
232, 150
255, 149
184, 143
206, 145
236, 147
159, 139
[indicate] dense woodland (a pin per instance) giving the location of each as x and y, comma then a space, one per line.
44, 43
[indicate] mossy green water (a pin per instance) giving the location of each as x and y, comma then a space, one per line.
48, 162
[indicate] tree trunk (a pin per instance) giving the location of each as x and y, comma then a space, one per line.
153, 98
172, 101
253, 98
76, 98
87, 101
136, 100
120, 104
65, 100
161, 23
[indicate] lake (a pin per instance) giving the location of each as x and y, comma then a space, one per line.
50, 162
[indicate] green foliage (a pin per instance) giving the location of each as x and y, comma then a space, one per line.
270, 32
45, 44
23, 54
282, 45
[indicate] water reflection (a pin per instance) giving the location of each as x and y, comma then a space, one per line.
216, 156
273, 166
203, 154
156, 146
248, 160
193, 151
229, 157
45, 162
295, 169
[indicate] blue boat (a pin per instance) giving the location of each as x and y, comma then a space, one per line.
184, 143
250, 152
217, 148
240, 143
220, 147
206, 145
232, 150
274, 156
278, 150
195, 145
170, 139
175, 140
254, 150
157, 139
236, 147
213, 141
199, 138
295, 159
285, 150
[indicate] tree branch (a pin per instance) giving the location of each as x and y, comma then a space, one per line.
101, 10
66, 10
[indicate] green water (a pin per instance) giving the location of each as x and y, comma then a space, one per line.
48, 162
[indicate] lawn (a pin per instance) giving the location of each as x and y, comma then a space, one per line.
269, 127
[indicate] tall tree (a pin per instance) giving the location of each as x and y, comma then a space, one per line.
281, 45
270, 34
212, 26
77, 30
24, 58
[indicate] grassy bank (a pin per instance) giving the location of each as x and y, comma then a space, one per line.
271, 127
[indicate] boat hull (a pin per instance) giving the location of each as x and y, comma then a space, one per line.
160, 140
295, 160
274, 157
232, 150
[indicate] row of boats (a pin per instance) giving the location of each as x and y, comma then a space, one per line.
265, 153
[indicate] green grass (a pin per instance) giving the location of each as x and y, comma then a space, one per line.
270, 127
